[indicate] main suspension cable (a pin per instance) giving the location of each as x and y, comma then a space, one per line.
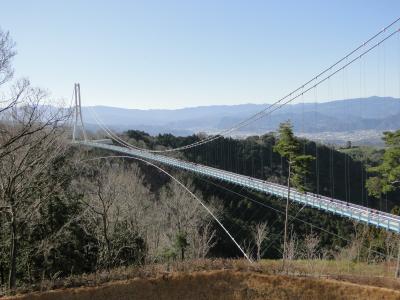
266, 111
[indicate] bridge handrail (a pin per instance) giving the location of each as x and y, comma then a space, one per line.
351, 210
320, 197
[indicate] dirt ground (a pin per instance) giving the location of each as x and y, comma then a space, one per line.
220, 284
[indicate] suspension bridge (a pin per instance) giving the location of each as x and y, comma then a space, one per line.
339, 207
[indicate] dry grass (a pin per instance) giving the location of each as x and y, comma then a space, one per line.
228, 279
319, 267
226, 284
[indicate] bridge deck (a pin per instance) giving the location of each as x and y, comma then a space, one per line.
353, 211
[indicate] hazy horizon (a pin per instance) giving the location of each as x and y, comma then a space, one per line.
239, 104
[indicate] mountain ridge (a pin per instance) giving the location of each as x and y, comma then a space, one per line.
344, 115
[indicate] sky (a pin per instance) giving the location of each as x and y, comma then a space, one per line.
172, 54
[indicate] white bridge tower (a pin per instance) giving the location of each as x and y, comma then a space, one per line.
78, 122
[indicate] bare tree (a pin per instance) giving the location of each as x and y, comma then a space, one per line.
292, 247
21, 93
32, 137
117, 200
260, 233
181, 214
172, 223
26, 114
204, 240
7, 52
248, 247
311, 243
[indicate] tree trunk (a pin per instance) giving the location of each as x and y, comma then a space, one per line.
286, 219
397, 275
2, 280
108, 244
182, 254
13, 254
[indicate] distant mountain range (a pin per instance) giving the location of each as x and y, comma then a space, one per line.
350, 118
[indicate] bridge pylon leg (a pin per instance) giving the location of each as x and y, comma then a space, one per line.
78, 120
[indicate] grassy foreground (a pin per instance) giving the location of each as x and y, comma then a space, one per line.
228, 279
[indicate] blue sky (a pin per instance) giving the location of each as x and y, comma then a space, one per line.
169, 54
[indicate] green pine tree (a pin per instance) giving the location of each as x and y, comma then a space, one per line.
289, 147
387, 175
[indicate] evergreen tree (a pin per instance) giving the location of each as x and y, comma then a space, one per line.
289, 147
387, 174
181, 243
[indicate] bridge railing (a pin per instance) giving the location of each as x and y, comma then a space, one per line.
342, 208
